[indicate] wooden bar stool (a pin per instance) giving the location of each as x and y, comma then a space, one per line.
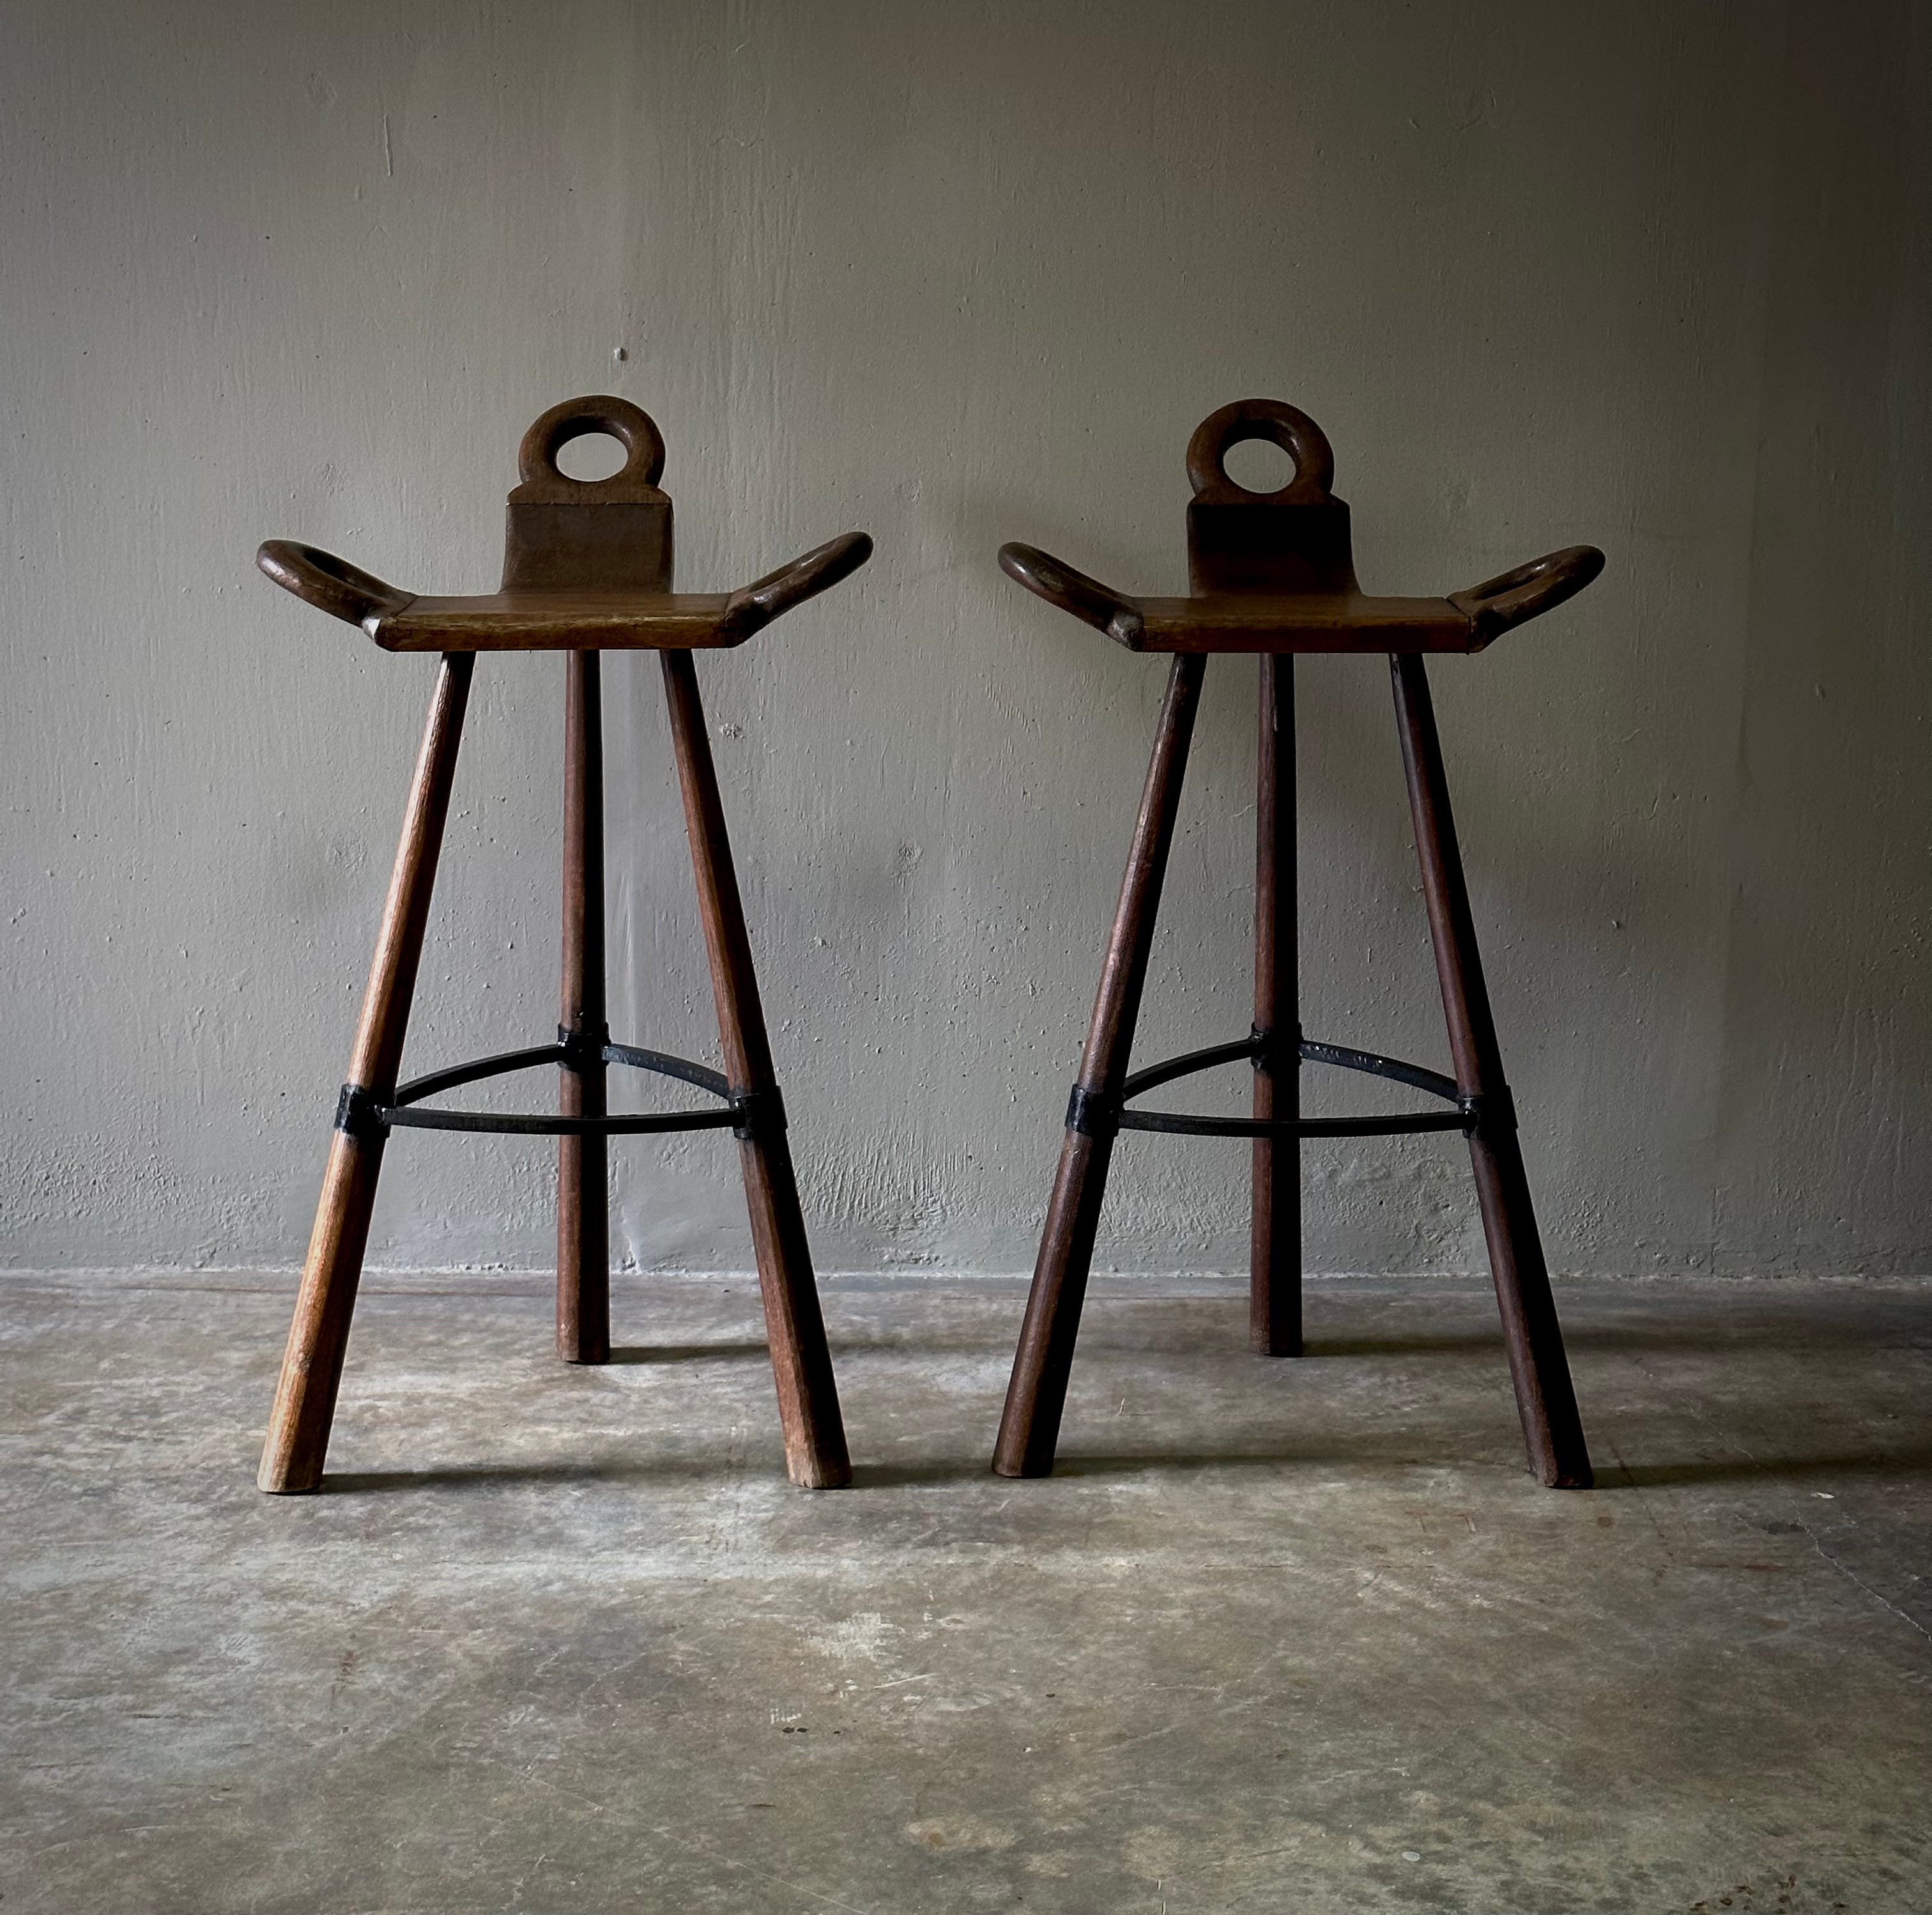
587, 569
1274, 574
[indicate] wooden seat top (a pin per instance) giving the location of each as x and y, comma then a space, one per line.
1275, 571
587, 563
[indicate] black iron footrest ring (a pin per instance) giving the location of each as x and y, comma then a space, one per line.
405, 1117
748, 1114
1180, 1124
1097, 1114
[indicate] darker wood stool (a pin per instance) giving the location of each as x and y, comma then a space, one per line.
587, 569
1274, 574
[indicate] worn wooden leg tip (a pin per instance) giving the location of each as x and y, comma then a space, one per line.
1577, 1476
272, 1483
1016, 1471
1021, 1455
820, 1476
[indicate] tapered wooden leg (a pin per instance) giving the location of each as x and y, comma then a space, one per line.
1545, 1399
814, 1432
1274, 1273
304, 1406
582, 1163
1029, 1427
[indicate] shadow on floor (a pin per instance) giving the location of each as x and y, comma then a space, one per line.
494, 1475
1192, 1463
1617, 1475
910, 1344
1445, 1342
634, 1353
922, 1476
1612, 1476
1701, 1334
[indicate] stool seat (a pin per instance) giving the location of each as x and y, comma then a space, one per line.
1274, 572
556, 618
1313, 621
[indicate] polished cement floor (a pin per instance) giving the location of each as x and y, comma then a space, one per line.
1277, 1636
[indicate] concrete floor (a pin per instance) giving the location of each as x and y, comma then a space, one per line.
1278, 1637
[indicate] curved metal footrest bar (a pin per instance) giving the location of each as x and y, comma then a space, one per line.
511, 1125
665, 1065
1092, 1113
1179, 1123
1433, 1081
458, 1074
746, 1113
1249, 1046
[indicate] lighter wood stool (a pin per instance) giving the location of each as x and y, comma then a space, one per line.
1274, 574
587, 569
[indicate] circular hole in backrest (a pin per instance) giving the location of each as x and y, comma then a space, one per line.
593, 456
1259, 465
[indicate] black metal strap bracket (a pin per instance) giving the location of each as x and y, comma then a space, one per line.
359, 1115
1093, 1113
1491, 1111
588, 1045
758, 1114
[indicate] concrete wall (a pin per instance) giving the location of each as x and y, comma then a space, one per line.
1653, 276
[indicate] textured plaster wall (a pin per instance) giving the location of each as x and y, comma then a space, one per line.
1654, 276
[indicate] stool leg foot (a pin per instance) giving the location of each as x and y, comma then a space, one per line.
1538, 1367
582, 1163
809, 1414
304, 1406
1274, 1276
1036, 1395
809, 1418
1029, 1425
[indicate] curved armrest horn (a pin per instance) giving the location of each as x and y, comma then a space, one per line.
1059, 584
330, 584
1514, 598
752, 607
